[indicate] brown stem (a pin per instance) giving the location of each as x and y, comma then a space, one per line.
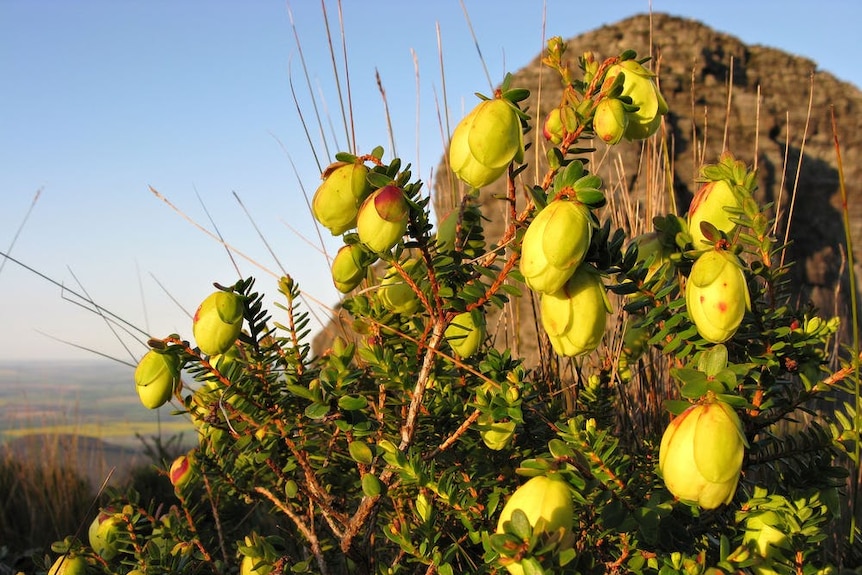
308, 533
320, 496
409, 426
465, 425
216, 519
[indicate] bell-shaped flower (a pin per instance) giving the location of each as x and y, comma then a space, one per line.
651, 252
485, 142
106, 534
639, 85
156, 376
347, 269
383, 219
336, 202
395, 293
218, 322
574, 316
255, 566
69, 564
558, 123
466, 332
716, 295
701, 453
610, 120
555, 244
708, 205
546, 500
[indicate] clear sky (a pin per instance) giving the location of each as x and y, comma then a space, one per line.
102, 98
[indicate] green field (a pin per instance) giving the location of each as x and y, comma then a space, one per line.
87, 398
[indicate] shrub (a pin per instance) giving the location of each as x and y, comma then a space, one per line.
397, 452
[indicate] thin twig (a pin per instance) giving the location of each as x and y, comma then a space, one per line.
798, 165
386, 113
218, 233
259, 233
476, 43
854, 311
21, 227
311, 93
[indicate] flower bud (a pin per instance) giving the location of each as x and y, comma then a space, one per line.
547, 503
447, 231
347, 269
105, 534
496, 435
554, 244
651, 251
485, 142
155, 378
217, 322
545, 500
701, 453
639, 85
69, 565
574, 316
466, 332
558, 123
395, 293
708, 205
382, 219
716, 295
255, 566
181, 470
610, 120
336, 202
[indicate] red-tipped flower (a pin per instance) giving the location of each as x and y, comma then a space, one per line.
218, 321
383, 219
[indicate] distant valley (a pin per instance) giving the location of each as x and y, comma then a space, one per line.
94, 399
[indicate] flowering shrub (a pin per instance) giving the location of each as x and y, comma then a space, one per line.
423, 447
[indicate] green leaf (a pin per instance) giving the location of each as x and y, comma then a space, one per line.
519, 525
559, 448
345, 157
516, 94
713, 360
567, 556
733, 400
695, 389
352, 402
371, 486
727, 379
301, 391
316, 411
378, 180
686, 375
540, 198
531, 566
592, 198
360, 452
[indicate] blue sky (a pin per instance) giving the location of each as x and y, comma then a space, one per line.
102, 99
